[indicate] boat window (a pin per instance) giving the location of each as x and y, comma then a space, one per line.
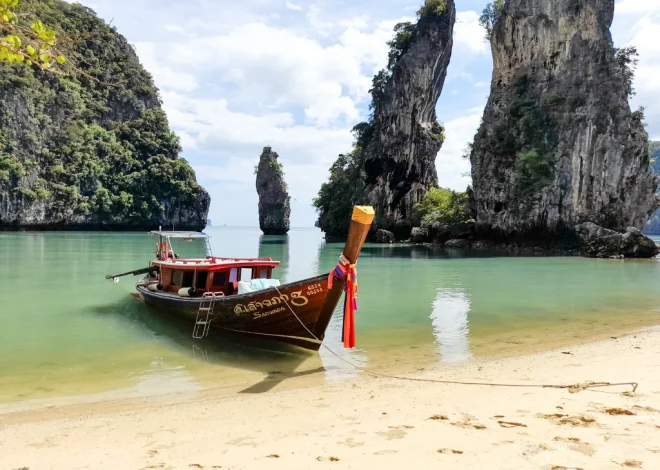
177, 278
246, 274
188, 277
263, 274
233, 275
219, 279
202, 277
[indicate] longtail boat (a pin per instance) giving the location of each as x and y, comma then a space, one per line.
208, 291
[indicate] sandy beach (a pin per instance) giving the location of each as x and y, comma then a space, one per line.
375, 422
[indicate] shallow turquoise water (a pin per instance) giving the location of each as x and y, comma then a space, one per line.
65, 330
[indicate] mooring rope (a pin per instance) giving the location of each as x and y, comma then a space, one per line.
574, 388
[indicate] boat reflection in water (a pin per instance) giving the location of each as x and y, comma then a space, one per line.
451, 325
276, 361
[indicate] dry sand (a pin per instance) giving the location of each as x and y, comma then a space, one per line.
374, 422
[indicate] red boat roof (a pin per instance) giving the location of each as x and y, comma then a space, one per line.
215, 263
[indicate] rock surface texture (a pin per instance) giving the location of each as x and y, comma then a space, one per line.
400, 163
384, 236
600, 242
81, 153
653, 225
274, 201
559, 146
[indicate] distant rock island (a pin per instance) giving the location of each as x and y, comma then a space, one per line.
274, 200
81, 153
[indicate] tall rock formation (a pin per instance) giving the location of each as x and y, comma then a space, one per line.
400, 163
653, 225
559, 146
93, 149
393, 163
274, 200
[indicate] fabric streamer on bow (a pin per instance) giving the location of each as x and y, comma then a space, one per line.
348, 273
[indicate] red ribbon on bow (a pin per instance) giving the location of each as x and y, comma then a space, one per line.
347, 272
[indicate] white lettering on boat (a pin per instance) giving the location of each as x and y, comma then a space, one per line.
267, 314
296, 300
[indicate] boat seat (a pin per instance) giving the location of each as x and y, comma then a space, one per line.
254, 285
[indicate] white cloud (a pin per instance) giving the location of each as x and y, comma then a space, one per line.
283, 68
292, 6
480, 84
174, 28
461, 75
277, 66
450, 162
637, 6
370, 48
165, 77
647, 84
469, 34
216, 129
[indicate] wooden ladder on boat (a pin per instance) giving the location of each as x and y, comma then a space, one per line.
209, 249
203, 321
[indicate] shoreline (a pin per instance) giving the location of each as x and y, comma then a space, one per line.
366, 421
413, 350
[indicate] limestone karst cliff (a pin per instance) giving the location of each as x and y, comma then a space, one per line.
274, 200
653, 225
558, 145
400, 167
91, 149
393, 163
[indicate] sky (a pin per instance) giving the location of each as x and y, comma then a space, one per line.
236, 76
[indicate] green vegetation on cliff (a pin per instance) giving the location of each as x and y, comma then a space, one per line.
442, 205
490, 15
344, 189
91, 148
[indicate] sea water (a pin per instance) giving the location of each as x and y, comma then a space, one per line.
65, 331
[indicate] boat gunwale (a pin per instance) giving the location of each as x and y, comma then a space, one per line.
208, 265
174, 296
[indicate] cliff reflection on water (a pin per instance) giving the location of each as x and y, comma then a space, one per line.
418, 307
450, 324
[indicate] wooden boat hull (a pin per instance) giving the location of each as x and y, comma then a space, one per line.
287, 314
297, 313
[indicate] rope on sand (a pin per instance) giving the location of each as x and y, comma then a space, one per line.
573, 388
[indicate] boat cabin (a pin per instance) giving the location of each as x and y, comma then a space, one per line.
197, 276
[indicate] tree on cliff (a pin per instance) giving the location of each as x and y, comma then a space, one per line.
627, 58
490, 15
26, 41
443, 206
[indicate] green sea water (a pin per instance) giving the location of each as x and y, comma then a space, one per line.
67, 332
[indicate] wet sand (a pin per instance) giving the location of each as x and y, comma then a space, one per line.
381, 422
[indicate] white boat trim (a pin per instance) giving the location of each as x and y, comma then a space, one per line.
302, 338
